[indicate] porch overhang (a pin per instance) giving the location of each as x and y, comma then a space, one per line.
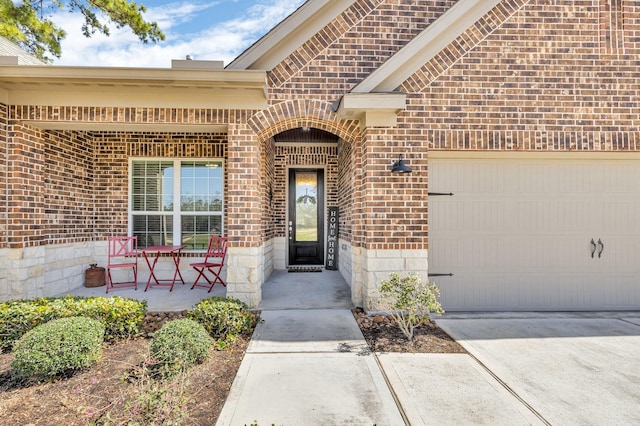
132, 87
371, 109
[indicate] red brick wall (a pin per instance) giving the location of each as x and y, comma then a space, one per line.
351, 47
345, 188
25, 179
271, 202
532, 75
541, 81
69, 187
244, 188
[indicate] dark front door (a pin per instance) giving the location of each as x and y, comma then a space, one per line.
306, 216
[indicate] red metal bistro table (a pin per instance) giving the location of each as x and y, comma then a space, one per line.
151, 256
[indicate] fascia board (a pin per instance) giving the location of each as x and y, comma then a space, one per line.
150, 97
135, 76
425, 46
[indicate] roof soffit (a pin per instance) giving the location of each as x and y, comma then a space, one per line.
290, 34
425, 46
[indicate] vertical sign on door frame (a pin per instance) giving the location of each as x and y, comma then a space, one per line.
332, 239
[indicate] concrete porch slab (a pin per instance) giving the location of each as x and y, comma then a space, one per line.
305, 290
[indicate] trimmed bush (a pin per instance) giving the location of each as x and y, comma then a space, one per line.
410, 301
122, 317
58, 347
224, 318
178, 345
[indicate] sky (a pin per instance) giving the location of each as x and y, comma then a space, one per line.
206, 30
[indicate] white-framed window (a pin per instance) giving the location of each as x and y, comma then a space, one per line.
176, 201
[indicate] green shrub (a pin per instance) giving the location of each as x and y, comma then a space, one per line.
410, 301
178, 345
57, 347
121, 316
224, 318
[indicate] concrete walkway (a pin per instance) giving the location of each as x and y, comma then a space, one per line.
308, 364
312, 367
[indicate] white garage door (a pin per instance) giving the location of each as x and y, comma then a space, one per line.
535, 232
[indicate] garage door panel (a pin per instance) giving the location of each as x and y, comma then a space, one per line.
517, 233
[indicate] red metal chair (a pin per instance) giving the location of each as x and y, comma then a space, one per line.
213, 262
123, 254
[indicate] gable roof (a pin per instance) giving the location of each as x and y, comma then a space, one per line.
425, 46
314, 15
12, 54
290, 34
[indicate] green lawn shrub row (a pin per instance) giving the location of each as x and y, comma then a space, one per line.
57, 347
178, 345
122, 317
224, 319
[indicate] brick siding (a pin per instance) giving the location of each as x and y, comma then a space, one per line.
541, 81
26, 186
70, 188
531, 75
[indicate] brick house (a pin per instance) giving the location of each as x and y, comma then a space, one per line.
518, 118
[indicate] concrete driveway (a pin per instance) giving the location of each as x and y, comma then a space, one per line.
568, 369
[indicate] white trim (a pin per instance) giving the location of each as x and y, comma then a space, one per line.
177, 213
372, 109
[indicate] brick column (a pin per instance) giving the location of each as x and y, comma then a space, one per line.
25, 213
245, 262
392, 234
25, 180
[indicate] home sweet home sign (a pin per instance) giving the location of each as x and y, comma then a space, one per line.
332, 240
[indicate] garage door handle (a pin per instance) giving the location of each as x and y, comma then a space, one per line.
601, 247
593, 248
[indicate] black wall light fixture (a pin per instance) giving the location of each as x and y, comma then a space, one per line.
400, 167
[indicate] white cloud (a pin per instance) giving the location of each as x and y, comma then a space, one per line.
219, 41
